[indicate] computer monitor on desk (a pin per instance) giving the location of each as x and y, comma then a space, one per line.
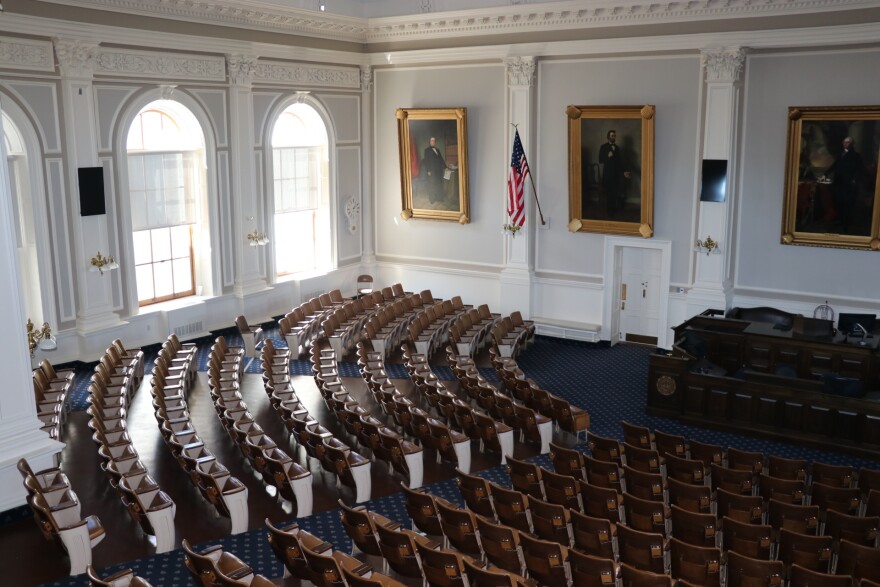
856, 324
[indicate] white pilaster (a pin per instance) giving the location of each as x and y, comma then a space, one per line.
722, 94
248, 208
20, 434
368, 246
76, 60
518, 274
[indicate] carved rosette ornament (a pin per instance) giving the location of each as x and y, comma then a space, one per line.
520, 71
76, 58
723, 65
241, 69
366, 78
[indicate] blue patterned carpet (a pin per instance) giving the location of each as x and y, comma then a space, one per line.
609, 382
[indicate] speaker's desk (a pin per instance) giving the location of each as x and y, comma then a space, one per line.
752, 377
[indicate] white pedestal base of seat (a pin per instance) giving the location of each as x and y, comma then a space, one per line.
302, 489
416, 468
362, 481
506, 441
162, 522
79, 546
237, 505
463, 453
546, 431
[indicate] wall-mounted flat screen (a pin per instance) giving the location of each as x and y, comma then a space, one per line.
714, 186
91, 191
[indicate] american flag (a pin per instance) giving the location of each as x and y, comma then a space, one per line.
516, 183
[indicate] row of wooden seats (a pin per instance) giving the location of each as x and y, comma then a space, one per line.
226, 493
532, 425
51, 390
407, 416
389, 326
429, 330
302, 324
148, 505
511, 334
476, 425
58, 514
370, 432
685, 554
123, 578
278, 470
469, 331
343, 327
568, 417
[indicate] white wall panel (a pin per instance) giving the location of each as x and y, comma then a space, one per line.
263, 103
40, 100
58, 211
226, 245
214, 102
346, 114
109, 100
672, 84
775, 82
348, 184
482, 90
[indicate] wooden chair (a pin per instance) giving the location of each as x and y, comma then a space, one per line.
544, 560
642, 459
862, 530
691, 471
501, 545
287, 542
442, 568
810, 552
643, 550
603, 473
693, 528
593, 536
525, 477
422, 510
512, 507
645, 485
744, 508
670, 444
124, 578
694, 498
206, 564
787, 490
460, 528
561, 489
752, 540
782, 468
743, 571
605, 449
645, 515
600, 502
476, 493
630, 576
591, 571
698, 565
710, 454
551, 521
801, 577
797, 518
492, 577
861, 562
567, 461
399, 549
360, 524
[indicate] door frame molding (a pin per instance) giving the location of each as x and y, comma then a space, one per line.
611, 296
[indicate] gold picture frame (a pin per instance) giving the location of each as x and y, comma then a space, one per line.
608, 195
832, 188
433, 163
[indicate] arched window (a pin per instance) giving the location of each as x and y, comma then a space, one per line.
300, 164
166, 177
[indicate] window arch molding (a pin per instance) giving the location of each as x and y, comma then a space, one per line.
32, 141
213, 286
269, 175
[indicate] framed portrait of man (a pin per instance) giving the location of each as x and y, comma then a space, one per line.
611, 169
433, 163
832, 194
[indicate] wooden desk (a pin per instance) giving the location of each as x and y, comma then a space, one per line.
757, 379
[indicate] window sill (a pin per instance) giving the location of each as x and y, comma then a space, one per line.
303, 275
172, 305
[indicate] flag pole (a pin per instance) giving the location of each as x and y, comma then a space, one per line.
534, 188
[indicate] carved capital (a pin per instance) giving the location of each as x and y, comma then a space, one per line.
76, 58
241, 69
520, 71
723, 65
366, 78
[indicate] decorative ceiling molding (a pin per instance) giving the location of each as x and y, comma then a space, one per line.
26, 54
149, 64
286, 73
518, 18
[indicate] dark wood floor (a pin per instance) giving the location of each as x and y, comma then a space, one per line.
29, 560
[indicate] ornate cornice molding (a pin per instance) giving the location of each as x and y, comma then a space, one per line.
26, 54
517, 18
520, 71
123, 62
723, 65
241, 69
278, 72
76, 58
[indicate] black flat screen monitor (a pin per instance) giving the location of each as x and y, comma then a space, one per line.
714, 186
846, 323
91, 191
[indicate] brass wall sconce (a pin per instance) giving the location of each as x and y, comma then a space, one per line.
708, 246
100, 263
41, 338
258, 239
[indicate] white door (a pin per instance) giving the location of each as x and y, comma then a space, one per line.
639, 294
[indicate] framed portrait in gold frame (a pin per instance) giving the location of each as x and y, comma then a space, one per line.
832, 188
434, 163
611, 169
